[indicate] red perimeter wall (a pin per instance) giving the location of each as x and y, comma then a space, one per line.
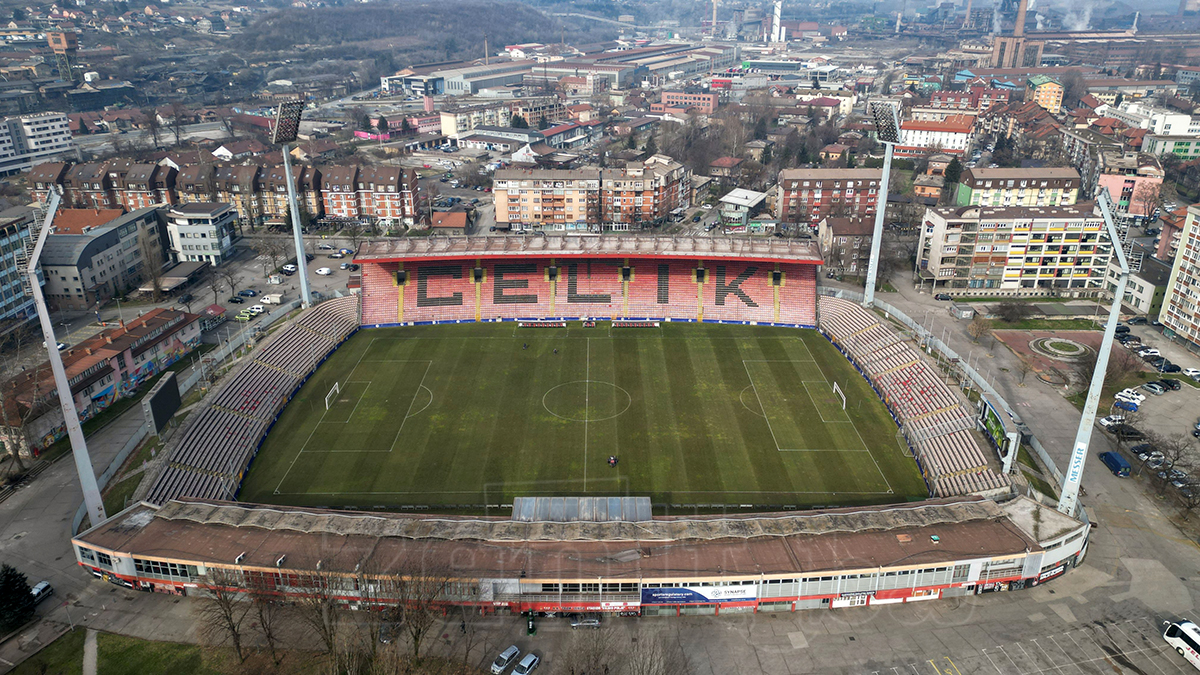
659, 288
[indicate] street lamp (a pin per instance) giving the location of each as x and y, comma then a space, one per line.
287, 126
887, 131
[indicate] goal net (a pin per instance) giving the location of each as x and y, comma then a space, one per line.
332, 395
838, 390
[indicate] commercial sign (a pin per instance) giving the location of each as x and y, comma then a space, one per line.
697, 594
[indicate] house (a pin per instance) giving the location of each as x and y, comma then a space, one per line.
757, 149
314, 151
726, 168
846, 243
450, 222
239, 149
834, 152
929, 185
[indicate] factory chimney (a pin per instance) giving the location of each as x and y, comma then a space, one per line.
1019, 29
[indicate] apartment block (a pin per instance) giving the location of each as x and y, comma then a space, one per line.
1018, 187
1046, 92
1025, 250
952, 135
201, 232
704, 102
547, 199
27, 140
388, 194
16, 305
1180, 313
643, 192
1133, 180
809, 195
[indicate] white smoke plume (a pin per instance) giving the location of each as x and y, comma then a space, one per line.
1079, 18
1040, 20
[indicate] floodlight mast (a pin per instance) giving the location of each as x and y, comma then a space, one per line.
1069, 499
287, 125
83, 461
887, 130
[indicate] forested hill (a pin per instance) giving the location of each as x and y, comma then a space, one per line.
451, 26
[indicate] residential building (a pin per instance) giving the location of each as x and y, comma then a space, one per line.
26, 140
1046, 92
87, 269
547, 199
201, 232
952, 135
1017, 249
16, 306
698, 100
1154, 119
458, 120
195, 183
339, 192
1146, 287
450, 222
87, 186
726, 168
807, 196
388, 194
846, 244
1047, 186
1133, 180
1183, 147
534, 110
1180, 313
241, 186
146, 185
929, 185
642, 193
100, 369
1173, 224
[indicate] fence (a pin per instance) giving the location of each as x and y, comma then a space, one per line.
926, 337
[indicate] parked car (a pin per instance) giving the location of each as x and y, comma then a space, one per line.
1128, 406
1122, 329
344, 266
1126, 432
1173, 385
353, 267
237, 300
696, 218
1169, 367
186, 298
41, 591
1148, 351
324, 247
1193, 373
346, 251
247, 292
308, 257
527, 665
1138, 321
1110, 421
585, 621
256, 309
1132, 393
337, 256
324, 271
505, 659
943, 296
289, 268
1155, 388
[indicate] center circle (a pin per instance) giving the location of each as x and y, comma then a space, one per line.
586, 401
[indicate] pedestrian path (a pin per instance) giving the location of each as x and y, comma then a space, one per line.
89, 653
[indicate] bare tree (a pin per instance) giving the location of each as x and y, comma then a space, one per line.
655, 654
591, 651
178, 122
1178, 453
229, 277
1011, 311
1146, 198
1024, 367
421, 587
1121, 364
214, 285
319, 608
152, 260
267, 611
1189, 498
223, 609
272, 250
978, 328
18, 409
155, 128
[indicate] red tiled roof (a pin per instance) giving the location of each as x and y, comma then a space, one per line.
77, 221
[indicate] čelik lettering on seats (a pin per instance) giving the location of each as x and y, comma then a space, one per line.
735, 286
424, 273
573, 287
502, 284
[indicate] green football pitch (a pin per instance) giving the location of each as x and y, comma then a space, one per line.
476, 414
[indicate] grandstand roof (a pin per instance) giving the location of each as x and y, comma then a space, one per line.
841, 539
772, 249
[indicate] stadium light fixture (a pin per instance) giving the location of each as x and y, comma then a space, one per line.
287, 127
887, 130
83, 461
1068, 500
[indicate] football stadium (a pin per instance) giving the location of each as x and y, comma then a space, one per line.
628, 424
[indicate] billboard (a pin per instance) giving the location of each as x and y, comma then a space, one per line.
993, 425
683, 595
161, 402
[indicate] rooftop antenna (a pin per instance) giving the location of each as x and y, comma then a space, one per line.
1068, 500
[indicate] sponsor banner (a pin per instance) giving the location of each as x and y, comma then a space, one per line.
697, 594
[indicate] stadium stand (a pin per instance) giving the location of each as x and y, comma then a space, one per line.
929, 412
208, 458
447, 290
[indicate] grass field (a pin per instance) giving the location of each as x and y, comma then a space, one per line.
476, 414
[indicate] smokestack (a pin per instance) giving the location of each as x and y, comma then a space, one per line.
1136, 16
428, 103
485, 48
898, 15
714, 21
776, 28
1019, 29
967, 21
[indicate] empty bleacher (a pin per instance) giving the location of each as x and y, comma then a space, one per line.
446, 290
207, 458
934, 419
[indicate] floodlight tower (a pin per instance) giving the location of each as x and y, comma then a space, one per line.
887, 131
287, 125
83, 461
1069, 499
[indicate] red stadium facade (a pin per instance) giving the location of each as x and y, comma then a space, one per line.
489, 279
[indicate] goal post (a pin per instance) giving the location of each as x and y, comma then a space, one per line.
332, 395
838, 390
